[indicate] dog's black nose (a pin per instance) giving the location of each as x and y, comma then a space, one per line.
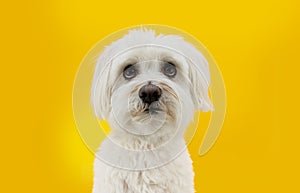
149, 93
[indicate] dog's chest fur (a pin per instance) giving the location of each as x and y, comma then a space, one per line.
174, 177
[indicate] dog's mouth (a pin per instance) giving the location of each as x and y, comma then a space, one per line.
152, 110
148, 112
154, 107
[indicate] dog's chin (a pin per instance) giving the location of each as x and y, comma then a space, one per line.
148, 120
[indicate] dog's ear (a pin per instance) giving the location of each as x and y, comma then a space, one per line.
200, 79
101, 90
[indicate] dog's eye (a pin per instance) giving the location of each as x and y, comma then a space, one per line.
129, 72
169, 69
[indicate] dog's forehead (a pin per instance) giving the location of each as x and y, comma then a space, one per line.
147, 53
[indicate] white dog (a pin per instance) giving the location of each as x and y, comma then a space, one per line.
148, 87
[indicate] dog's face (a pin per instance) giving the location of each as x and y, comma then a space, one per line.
150, 88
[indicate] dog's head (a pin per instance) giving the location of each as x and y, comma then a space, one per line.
145, 82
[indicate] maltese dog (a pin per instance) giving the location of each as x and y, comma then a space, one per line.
147, 86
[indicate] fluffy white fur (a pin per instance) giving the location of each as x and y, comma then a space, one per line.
145, 151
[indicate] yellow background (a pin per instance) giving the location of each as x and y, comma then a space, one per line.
255, 43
